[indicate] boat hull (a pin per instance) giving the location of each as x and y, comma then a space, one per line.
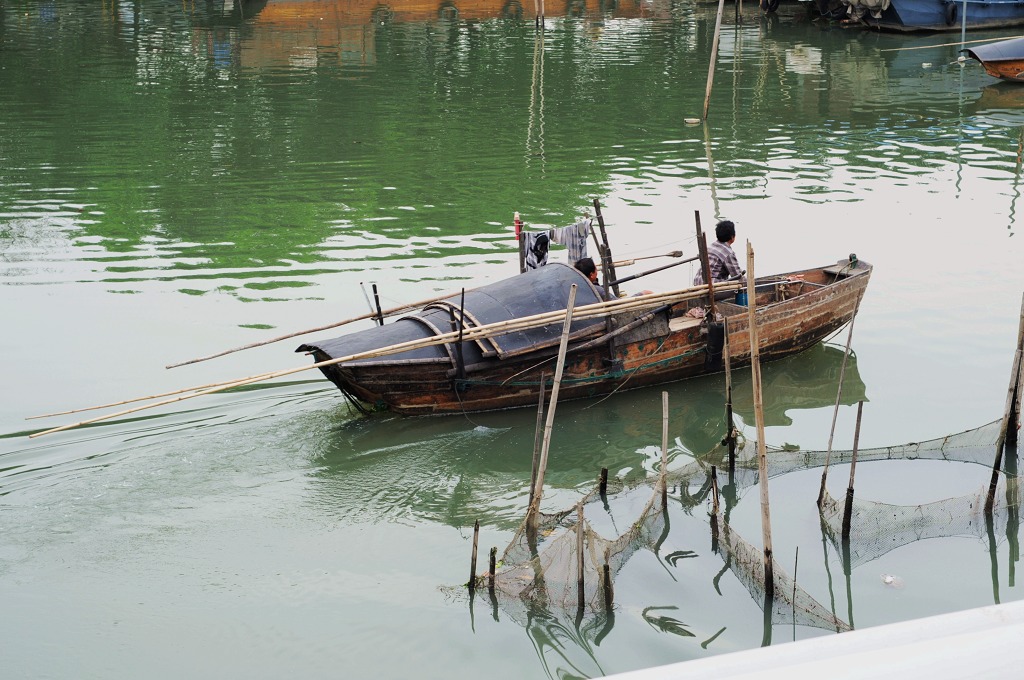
1003, 59
666, 347
938, 15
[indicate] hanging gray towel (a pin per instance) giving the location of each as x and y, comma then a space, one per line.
573, 237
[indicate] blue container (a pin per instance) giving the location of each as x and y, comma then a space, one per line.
741, 297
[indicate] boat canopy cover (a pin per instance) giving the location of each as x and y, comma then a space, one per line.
1004, 50
535, 292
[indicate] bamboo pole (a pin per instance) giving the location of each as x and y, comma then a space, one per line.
714, 58
549, 422
662, 482
371, 315
762, 453
492, 565
731, 436
1012, 404
1001, 441
835, 411
958, 42
609, 592
581, 562
606, 253
848, 508
472, 562
705, 264
538, 429
596, 310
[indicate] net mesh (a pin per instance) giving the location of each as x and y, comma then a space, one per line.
559, 566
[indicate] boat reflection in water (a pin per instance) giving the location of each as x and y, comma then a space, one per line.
487, 457
295, 33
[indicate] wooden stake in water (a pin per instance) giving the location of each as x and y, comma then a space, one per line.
762, 452
492, 565
581, 562
1011, 413
848, 508
538, 430
835, 412
550, 421
662, 484
472, 561
729, 422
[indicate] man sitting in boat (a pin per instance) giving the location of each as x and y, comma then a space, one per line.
589, 269
721, 256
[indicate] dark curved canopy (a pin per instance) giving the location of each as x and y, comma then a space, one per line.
535, 292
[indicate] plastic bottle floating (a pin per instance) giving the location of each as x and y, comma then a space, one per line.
892, 581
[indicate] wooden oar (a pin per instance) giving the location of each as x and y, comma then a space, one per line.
585, 312
370, 315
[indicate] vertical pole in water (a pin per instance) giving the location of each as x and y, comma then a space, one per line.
662, 482
705, 265
609, 593
714, 509
472, 561
549, 423
848, 509
714, 58
1012, 405
537, 435
580, 561
731, 436
963, 23
762, 453
491, 566
835, 412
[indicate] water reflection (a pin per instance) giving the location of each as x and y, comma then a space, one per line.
481, 464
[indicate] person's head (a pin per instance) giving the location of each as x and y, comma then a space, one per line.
725, 231
588, 268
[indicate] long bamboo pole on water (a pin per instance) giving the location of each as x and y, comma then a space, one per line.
595, 310
371, 315
958, 42
762, 452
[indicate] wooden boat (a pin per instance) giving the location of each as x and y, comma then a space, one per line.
936, 15
491, 347
1003, 59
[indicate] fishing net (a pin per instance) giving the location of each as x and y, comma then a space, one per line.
790, 603
877, 528
561, 561
556, 575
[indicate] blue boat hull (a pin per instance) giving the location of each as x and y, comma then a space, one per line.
944, 15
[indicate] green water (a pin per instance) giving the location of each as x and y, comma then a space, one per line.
181, 178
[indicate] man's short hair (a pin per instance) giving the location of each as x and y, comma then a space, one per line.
725, 231
586, 265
